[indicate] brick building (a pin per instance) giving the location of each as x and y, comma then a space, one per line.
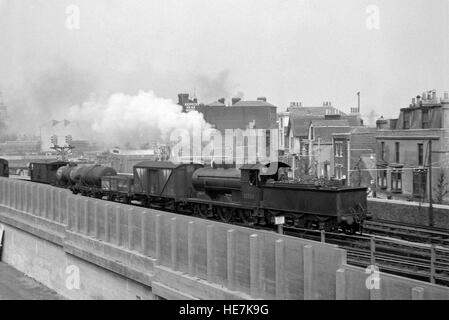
403, 148
239, 115
310, 145
354, 156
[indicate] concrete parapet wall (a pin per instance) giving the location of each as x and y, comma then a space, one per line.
409, 212
129, 252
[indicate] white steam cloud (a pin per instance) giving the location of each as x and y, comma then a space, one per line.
124, 120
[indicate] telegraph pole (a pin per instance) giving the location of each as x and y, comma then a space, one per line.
430, 185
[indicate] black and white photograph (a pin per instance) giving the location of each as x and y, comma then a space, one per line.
224, 153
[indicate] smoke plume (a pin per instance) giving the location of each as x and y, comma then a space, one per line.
132, 120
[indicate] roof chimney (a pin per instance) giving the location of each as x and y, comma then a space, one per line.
262, 99
183, 98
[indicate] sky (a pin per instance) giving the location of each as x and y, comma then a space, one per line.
286, 50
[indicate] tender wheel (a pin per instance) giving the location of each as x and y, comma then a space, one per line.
226, 214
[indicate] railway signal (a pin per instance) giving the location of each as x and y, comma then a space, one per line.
63, 151
54, 140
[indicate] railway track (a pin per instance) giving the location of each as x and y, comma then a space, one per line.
408, 232
425, 262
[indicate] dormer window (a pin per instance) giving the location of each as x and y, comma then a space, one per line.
406, 120
425, 119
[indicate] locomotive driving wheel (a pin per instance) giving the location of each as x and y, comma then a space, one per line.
226, 214
201, 211
247, 217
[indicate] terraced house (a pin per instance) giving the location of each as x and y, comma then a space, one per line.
413, 144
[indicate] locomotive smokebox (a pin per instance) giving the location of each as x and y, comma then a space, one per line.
217, 180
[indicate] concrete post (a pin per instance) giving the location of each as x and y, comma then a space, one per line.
340, 286
44, 212
21, 196
279, 269
97, 220
210, 252
124, 234
254, 265
144, 237
129, 213
417, 293
72, 215
173, 243
231, 259
64, 211
117, 225
158, 231
309, 267
17, 196
76, 211
86, 217
58, 207
2, 190
190, 253
51, 205
11, 195
107, 227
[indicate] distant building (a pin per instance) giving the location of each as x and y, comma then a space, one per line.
283, 122
309, 139
238, 115
403, 148
354, 156
20, 147
187, 103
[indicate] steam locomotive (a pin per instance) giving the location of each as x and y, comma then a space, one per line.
251, 195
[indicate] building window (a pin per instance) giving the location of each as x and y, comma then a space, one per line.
396, 181
406, 120
397, 145
382, 150
419, 183
382, 178
420, 154
338, 172
312, 133
339, 149
425, 119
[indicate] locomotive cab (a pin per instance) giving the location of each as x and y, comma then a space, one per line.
255, 176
